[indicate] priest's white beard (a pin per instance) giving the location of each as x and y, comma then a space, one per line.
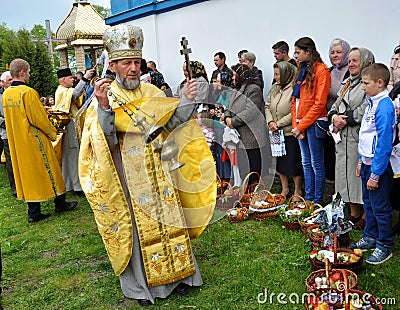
125, 84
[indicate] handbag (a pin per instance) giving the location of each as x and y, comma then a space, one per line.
322, 129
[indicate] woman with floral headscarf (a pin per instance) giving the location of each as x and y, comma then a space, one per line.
346, 115
279, 117
338, 54
156, 78
246, 113
199, 73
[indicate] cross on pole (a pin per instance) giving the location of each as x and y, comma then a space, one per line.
186, 51
49, 40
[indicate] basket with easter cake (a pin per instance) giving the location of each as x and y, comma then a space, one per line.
265, 205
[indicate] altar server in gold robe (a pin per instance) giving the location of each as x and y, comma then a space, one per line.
69, 99
37, 172
145, 213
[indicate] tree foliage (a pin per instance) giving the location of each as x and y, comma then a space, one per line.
42, 77
38, 32
105, 12
5, 36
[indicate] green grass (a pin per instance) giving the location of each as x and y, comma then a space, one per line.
61, 263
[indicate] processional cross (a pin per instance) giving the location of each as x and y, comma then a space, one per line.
186, 51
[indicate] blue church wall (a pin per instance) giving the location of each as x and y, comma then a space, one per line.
127, 10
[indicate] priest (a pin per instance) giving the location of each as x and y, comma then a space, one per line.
146, 211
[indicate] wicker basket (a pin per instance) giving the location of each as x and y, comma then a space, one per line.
247, 191
221, 186
343, 241
327, 273
314, 212
238, 213
316, 237
270, 207
228, 198
294, 224
346, 294
353, 266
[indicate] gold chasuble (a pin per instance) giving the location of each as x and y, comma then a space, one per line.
63, 99
168, 208
36, 170
63, 103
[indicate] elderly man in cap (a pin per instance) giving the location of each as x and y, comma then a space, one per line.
37, 172
69, 99
146, 211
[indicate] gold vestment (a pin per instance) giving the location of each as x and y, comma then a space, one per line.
168, 208
63, 100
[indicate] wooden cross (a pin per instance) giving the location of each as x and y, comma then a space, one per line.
186, 51
49, 40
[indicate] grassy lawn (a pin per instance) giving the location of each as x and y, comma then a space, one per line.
61, 263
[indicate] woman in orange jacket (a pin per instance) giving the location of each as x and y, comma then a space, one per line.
309, 115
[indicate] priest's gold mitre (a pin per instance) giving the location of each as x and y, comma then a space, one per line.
123, 41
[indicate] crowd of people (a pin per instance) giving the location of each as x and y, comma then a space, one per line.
318, 123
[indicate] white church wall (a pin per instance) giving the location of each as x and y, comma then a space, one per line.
229, 26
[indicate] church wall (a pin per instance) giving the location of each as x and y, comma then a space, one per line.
229, 26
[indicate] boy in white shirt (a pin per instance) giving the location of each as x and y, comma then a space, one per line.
374, 148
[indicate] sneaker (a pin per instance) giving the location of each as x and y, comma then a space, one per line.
379, 256
364, 244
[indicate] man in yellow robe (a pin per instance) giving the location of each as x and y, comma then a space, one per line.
145, 213
69, 99
36, 170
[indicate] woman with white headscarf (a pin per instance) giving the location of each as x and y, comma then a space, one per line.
346, 115
338, 54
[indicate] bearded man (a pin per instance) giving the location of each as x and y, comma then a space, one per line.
145, 213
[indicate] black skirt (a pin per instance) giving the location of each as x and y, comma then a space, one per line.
290, 164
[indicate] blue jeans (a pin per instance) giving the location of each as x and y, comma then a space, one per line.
377, 207
312, 158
